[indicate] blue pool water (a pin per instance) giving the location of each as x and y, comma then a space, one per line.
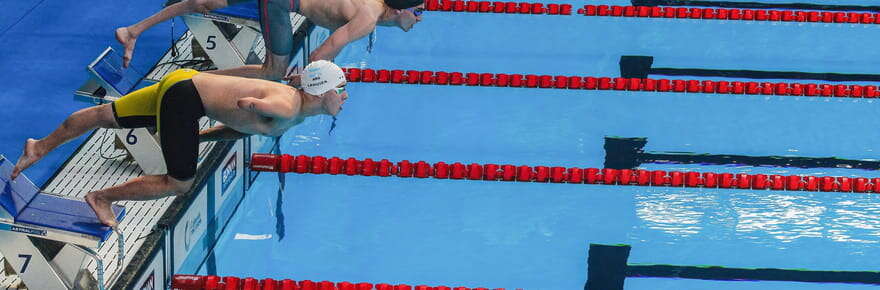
535, 236
515, 235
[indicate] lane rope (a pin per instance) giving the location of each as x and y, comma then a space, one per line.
730, 14
198, 282
735, 14
516, 80
302, 164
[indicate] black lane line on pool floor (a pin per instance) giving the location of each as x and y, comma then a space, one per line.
279, 197
608, 268
628, 153
755, 5
640, 66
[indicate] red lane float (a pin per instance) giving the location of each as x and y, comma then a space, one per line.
197, 282
523, 173
498, 7
536, 8
729, 14
607, 83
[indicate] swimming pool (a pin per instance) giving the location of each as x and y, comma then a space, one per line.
535, 235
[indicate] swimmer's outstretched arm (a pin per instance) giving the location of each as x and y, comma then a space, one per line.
220, 133
361, 25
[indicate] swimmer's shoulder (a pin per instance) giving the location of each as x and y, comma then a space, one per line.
373, 7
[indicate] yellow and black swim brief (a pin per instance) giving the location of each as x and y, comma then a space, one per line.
174, 107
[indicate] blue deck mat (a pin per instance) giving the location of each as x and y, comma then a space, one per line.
14, 196
66, 214
23, 200
247, 10
109, 68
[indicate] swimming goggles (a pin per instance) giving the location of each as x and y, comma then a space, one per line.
339, 91
416, 11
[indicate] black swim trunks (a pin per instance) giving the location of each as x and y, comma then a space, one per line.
176, 118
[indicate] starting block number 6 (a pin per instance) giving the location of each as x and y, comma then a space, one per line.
144, 148
27, 260
131, 138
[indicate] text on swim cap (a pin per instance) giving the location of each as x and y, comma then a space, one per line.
317, 84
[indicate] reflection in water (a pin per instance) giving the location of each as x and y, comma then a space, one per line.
678, 213
764, 217
298, 139
856, 221
784, 217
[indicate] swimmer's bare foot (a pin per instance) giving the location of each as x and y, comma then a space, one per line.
103, 209
31, 154
127, 39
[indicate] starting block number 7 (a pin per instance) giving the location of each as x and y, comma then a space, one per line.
27, 260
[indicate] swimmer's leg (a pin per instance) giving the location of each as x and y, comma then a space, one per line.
177, 118
146, 187
127, 36
278, 38
274, 68
75, 125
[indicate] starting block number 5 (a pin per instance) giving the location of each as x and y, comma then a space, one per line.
211, 43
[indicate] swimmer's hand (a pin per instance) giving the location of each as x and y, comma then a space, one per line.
293, 76
294, 80
220, 133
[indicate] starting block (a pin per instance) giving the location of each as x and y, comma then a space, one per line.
231, 36
108, 81
46, 237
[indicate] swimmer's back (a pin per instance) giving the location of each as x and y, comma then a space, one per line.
332, 14
220, 95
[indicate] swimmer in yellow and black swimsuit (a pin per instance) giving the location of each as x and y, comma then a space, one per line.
244, 106
174, 107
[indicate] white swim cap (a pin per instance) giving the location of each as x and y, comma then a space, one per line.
321, 76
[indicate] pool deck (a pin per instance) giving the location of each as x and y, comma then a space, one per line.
89, 169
